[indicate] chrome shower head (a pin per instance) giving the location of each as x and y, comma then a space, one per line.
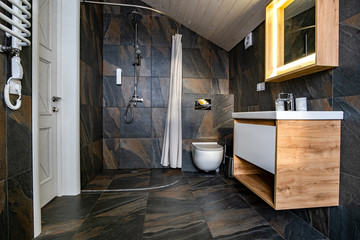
134, 16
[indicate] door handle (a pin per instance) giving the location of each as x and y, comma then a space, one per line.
55, 109
55, 99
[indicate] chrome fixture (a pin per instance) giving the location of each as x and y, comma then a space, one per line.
287, 99
134, 17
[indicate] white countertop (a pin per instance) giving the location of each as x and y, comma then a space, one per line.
291, 115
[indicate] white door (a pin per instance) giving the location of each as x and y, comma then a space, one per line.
47, 103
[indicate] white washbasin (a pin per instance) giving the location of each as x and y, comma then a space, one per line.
290, 115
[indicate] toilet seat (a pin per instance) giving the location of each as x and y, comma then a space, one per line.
207, 146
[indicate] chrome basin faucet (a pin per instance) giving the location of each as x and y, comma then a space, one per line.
288, 99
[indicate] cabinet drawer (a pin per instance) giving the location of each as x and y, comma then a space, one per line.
256, 144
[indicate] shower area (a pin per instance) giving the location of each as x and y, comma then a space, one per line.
122, 126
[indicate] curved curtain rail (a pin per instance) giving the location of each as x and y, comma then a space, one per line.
135, 6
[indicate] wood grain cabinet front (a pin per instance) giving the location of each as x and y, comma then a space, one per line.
306, 162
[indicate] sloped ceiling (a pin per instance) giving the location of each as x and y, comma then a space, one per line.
224, 22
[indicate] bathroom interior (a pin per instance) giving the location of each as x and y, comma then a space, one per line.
122, 128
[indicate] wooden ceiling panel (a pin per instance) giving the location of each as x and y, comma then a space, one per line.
224, 22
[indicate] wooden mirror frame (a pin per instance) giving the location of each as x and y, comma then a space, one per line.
326, 54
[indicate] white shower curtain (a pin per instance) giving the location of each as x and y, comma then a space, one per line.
172, 144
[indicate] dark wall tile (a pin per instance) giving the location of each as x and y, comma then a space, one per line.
20, 206
219, 63
3, 211
2, 143
349, 9
141, 123
111, 149
111, 60
160, 92
86, 125
127, 32
350, 130
162, 29
197, 124
161, 59
187, 161
220, 86
349, 190
196, 63
98, 123
112, 96
143, 91
19, 155
193, 40
346, 75
111, 127
135, 153
86, 83
223, 107
195, 85
158, 122
156, 153
127, 60
111, 29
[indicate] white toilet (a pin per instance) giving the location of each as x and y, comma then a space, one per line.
207, 156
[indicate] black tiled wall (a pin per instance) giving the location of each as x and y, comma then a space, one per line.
16, 195
336, 89
205, 74
91, 85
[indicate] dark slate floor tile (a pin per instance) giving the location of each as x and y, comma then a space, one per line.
219, 199
289, 225
130, 182
111, 228
259, 233
56, 236
174, 225
317, 218
164, 176
120, 204
159, 204
344, 222
207, 181
68, 208
225, 224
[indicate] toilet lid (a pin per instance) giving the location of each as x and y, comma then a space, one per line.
208, 146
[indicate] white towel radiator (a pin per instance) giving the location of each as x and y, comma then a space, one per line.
19, 22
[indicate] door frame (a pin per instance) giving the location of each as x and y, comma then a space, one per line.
68, 82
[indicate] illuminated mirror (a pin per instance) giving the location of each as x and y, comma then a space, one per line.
299, 30
301, 37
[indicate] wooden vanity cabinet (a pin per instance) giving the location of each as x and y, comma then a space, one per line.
307, 163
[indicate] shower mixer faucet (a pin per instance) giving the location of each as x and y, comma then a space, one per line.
135, 99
